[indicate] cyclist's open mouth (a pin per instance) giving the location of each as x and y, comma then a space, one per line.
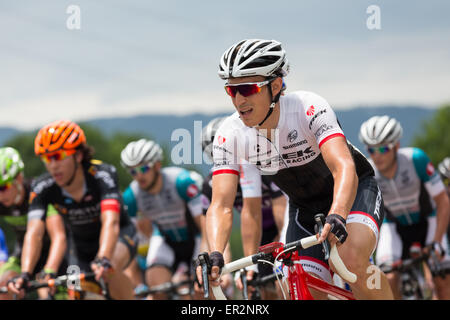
246, 112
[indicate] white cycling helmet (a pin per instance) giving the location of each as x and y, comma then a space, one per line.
140, 152
380, 130
444, 167
208, 133
254, 57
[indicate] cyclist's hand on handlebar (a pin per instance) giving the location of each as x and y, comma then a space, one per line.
18, 284
101, 267
217, 262
334, 230
437, 248
47, 275
250, 275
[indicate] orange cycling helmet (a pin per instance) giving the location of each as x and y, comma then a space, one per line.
58, 135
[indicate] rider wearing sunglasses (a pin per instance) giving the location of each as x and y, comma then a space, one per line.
167, 207
417, 205
14, 203
86, 195
296, 140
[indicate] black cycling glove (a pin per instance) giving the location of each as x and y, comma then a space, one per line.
337, 223
216, 259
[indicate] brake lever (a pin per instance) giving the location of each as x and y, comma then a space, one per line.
320, 218
243, 277
205, 263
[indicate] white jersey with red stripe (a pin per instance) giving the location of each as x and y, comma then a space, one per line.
292, 157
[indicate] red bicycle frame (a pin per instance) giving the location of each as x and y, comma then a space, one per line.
299, 280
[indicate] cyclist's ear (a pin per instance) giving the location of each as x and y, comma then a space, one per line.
276, 85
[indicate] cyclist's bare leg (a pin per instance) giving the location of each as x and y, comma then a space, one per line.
134, 273
355, 254
119, 284
157, 275
394, 282
442, 287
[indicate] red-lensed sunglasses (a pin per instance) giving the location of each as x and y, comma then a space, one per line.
57, 156
6, 186
245, 89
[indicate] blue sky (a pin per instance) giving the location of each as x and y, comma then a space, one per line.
134, 57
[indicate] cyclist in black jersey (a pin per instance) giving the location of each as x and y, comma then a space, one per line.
14, 196
297, 141
85, 193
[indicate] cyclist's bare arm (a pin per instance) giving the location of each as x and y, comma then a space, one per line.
219, 217
109, 233
278, 208
442, 215
32, 244
57, 234
251, 225
336, 155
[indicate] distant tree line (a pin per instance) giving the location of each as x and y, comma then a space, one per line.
435, 138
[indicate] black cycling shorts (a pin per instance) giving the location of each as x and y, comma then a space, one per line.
367, 209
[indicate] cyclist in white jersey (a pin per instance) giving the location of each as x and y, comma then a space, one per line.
296, 140
260, 203
168, 201
417, 206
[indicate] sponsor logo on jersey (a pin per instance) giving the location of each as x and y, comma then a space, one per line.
315, 117
192, 191
221, 149
298, 156
430, 169
310, 111
295, 144
323, 128
292, 135
221, 140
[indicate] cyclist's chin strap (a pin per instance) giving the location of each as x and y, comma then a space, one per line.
272, 106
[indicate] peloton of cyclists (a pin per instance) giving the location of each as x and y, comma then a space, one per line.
297, 141
168, 202
85, 193
417, 205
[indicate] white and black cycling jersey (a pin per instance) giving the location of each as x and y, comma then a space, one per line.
292, 157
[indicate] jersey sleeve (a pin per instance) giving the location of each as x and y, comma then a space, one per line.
130, 202
322, 121
426, 172
250, 181
188, 184
225, 152
38, 202
110, 196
